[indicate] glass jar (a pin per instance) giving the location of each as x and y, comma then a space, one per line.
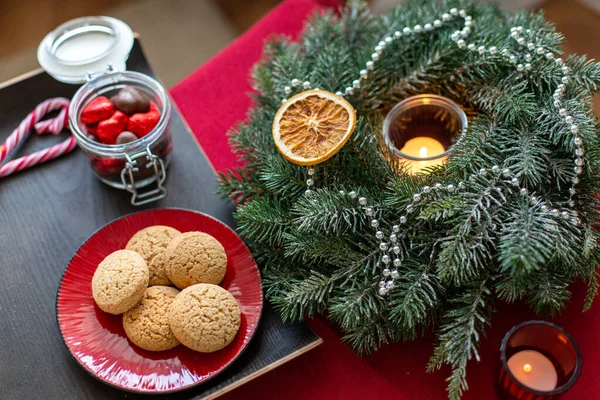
92, 51
133, 165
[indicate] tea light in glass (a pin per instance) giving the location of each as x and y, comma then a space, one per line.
538, 361
421, 129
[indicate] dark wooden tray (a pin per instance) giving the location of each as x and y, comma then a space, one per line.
48, 211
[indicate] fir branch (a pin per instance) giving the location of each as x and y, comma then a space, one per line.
511, 288
551, 123
330, 212
358, 311
508, 100
283, 179
549, 293
321, 251
251, 143
586, 72
466, 250
478, 149
277, 273
590, 252
567, 243
414, 297
239, 185
304, 298
524, 244
527, 155
460, 333
463, 259
263, 221
356, 19
368, 336
442, 209
403, 188
560, 172
592, 290
457, 381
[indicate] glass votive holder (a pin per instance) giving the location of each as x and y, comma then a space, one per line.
421, 129
538, 361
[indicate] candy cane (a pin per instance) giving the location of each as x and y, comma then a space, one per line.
33, 120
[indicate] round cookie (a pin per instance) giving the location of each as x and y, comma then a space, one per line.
119, 281
205, 317
151, 243
195, 257
147, 324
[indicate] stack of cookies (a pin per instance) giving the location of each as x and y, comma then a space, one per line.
136, 282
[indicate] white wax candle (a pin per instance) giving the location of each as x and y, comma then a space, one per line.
534, 370
84, 46
423, 147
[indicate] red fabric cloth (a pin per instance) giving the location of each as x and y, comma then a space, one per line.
215, 98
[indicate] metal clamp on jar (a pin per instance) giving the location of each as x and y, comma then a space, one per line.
93, 51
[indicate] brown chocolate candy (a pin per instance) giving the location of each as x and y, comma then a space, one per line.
126, 137
130, 101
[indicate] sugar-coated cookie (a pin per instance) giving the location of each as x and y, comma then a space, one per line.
120, 281
205, 317
195, 257
151, 243
147, 323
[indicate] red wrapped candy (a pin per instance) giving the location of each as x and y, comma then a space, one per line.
98, 109
142, 123
109, 166
109, 129
92, 129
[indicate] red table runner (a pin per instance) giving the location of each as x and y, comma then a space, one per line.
213, 100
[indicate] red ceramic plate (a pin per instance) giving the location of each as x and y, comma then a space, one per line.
97, 339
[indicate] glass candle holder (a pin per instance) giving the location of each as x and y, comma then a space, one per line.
538, 361
420, 130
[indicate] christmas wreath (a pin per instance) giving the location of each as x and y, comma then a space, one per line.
389, 255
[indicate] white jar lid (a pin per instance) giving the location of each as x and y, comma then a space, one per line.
84, 47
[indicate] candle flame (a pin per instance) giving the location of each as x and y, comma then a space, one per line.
423, 152
527, 367
560, 336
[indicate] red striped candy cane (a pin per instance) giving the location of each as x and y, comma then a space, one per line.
33, 120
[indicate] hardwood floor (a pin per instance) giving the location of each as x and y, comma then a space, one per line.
23, 23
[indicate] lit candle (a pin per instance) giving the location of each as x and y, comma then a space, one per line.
423, 147
534, 370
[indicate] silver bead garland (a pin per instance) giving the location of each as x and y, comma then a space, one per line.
502, 175
310, 181
522, 60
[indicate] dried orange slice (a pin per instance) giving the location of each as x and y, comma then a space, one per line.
312, 126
